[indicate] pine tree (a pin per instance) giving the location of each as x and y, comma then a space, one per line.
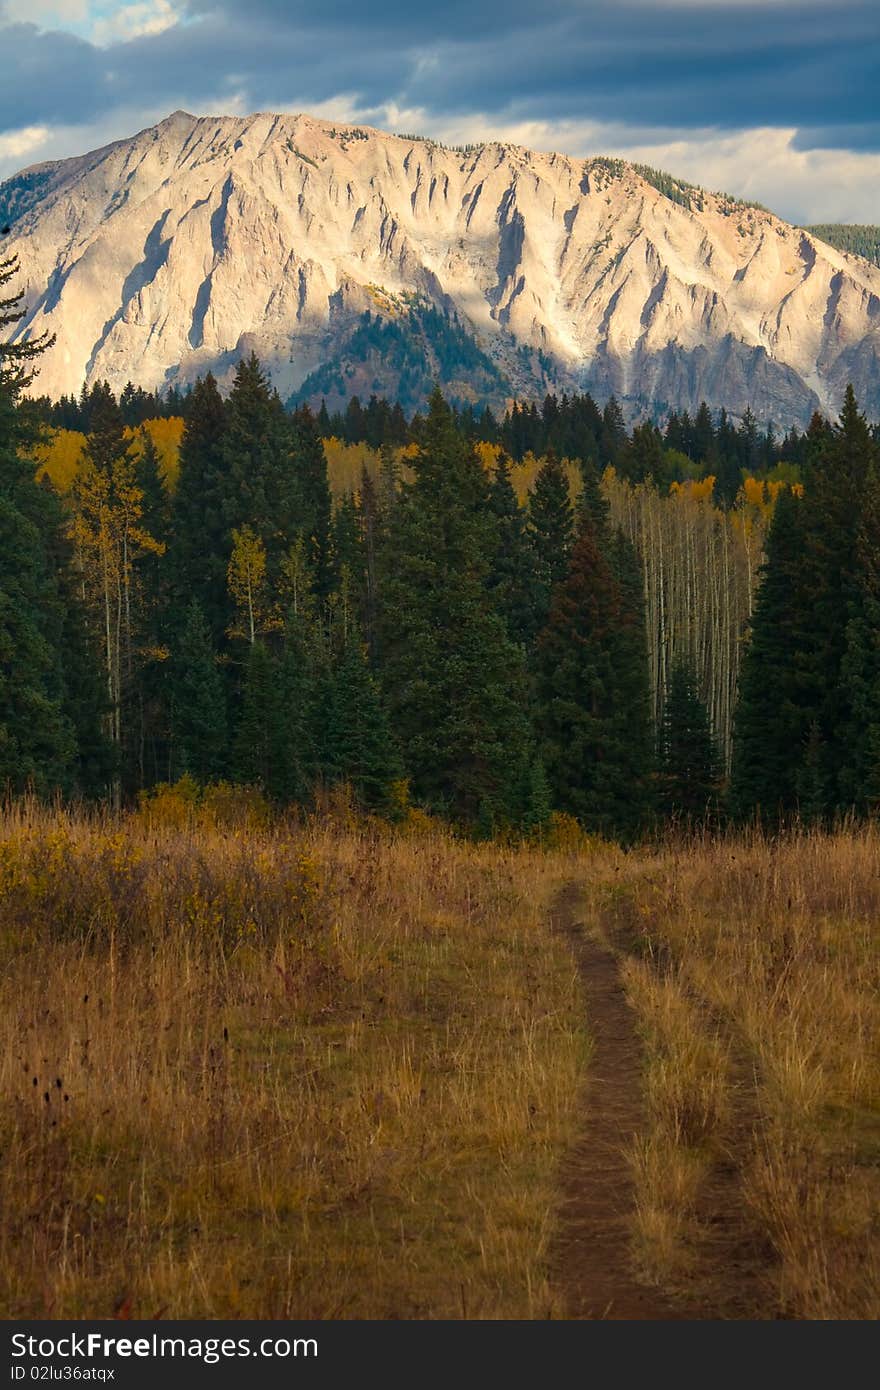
264, 489
200, 535
511, 579
550, 530
859, 733
358, 747
303, 689
152, 693
347, 548
836, 491
199, 702
592, 690
315, 507
690, 766
259, 735
37, 745
454, 681
41, 661
774, 711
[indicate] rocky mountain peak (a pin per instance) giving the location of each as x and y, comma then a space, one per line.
161, 256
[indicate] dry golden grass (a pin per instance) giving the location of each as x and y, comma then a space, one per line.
308, 1072
754, 966
686, 1075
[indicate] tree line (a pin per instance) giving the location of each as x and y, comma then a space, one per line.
427, 639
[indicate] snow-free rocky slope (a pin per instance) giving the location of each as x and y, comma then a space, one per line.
199, 239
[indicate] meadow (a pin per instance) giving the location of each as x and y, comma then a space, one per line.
272, 1071
253, 1067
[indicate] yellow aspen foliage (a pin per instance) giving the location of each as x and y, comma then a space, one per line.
488, 454
523, 476
694, 489
58, 456
166, 436
246, 577
345, 464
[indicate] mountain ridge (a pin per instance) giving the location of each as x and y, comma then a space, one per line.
179, 249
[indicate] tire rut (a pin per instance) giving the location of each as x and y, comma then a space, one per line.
592, 1261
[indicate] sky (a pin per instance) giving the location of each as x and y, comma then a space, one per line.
773, 100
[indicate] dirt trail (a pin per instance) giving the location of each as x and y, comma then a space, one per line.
592, 1255
592, 1262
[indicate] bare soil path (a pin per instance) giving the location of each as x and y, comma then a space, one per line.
592, 1258
592, 1262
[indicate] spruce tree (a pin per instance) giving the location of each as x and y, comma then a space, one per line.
454, 681
263, 488
859, 731
199, 702
38, 746
775, 711
357, 742
259, 739
309, 464
592, 691
690, 766
550, 530
838, 482
200, 535
512, 581
303, 690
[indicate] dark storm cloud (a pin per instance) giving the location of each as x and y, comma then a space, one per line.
662, 64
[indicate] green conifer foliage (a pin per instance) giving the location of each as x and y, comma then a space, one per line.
453, 679
358, 747
775, 708
263, 488
38, 694
837, 486
199, 702
550, 530
511, 579
690, 765
309, 464
200, 542
859, 733
259, 738
592, 690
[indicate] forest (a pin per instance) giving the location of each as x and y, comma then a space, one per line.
552, 617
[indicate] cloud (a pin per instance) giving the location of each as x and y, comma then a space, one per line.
676, 76
127, 22
16, 145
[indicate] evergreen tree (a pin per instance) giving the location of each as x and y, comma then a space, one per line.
303, 688
199, 702
37, 745
38, 693
859, 733
592, 689
454, 681
315, 507
690, 766
774, 710
264, 487
200, 536
358, 747
836, 492
511, 578
259, 738
550, 530
347, 548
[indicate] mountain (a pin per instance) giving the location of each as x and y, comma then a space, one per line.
495, 268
